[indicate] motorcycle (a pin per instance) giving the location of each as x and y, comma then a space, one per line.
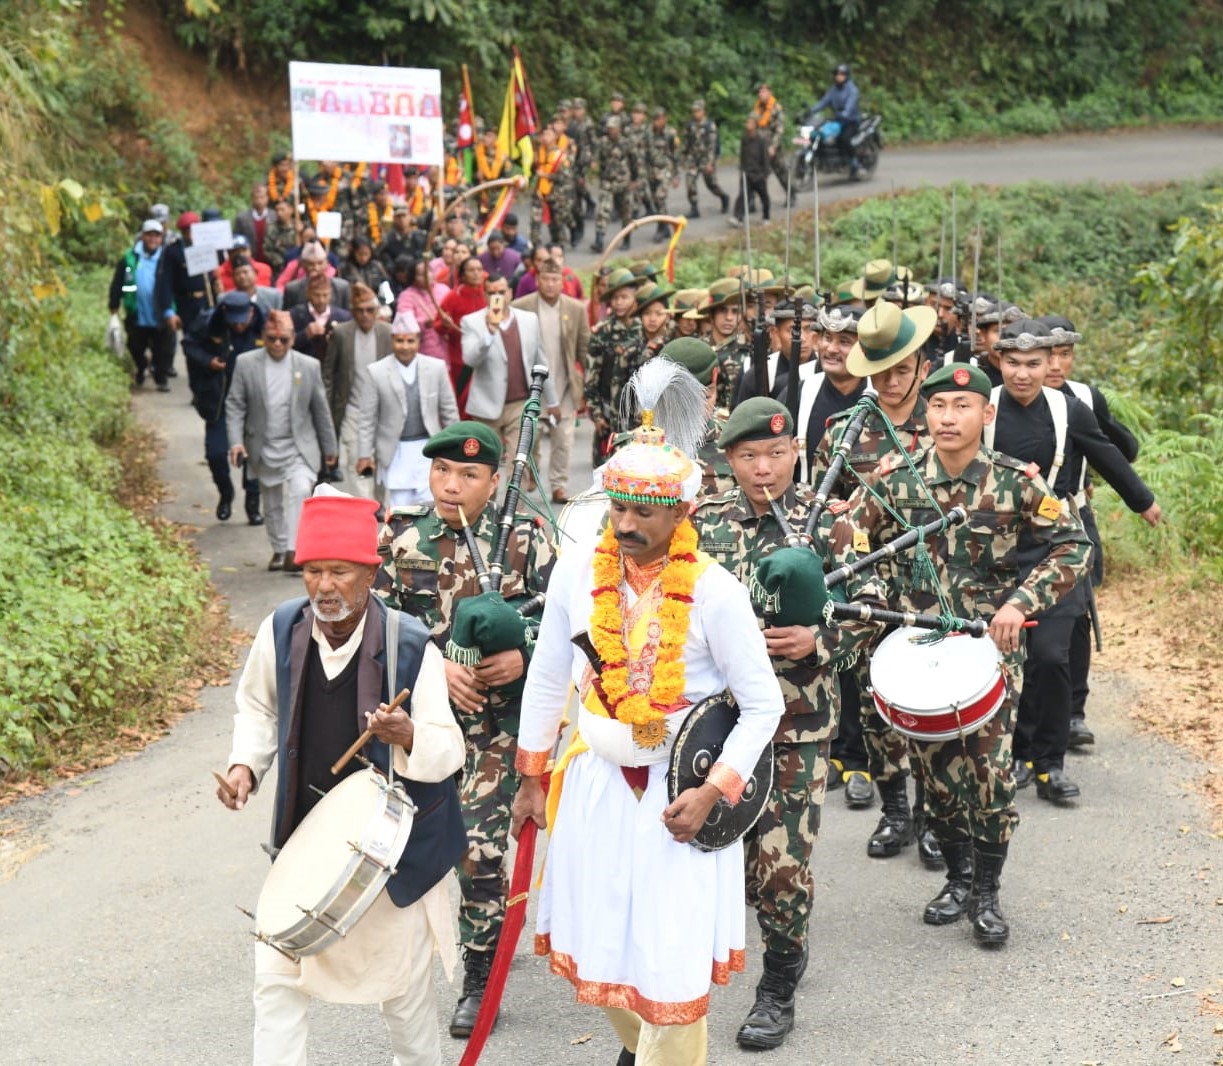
816, 148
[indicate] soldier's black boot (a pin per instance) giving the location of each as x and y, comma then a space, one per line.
661, 233
476, 968
693, 210
725, 203
627, 243
895, 828
988, 925
928, 849
597, 247
772, 1015
948, 906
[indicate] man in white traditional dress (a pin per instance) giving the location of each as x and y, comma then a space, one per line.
637, 919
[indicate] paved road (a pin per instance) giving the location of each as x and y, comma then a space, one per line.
1137, 157
120, 944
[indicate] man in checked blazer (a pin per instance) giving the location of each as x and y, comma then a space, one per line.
565, 335
276, 412
405, 400
501, 345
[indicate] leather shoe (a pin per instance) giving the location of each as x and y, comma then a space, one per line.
292, 566
859, 792
1080, 735
929, 850
1023, 773
559, 497
253, 517
836, 769
224, 510
277, 562
626, 1058
1055, 786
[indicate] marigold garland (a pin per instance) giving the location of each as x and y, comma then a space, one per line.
607, 628
328, 203
274, 193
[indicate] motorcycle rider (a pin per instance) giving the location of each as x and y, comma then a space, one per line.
842, 98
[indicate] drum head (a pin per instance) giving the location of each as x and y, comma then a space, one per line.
929, 677
698, 745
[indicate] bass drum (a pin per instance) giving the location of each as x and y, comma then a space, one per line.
936, 690
698, 745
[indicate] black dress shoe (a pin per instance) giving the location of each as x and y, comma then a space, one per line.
626, 1058
1023, 773
725, 203
171, 372
253, 517
859, 792
277, 562
1080, 735
836, 769
1055, 786
224, 510
163, 386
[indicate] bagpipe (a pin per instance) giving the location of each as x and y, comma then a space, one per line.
487, 624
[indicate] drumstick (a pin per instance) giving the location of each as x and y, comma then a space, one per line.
226, 787
365, 737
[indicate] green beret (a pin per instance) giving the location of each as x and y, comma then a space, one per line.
694, 355
760, 418
788, 586
465, 442
957, 377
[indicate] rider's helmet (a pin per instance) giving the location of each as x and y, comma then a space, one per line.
842, 68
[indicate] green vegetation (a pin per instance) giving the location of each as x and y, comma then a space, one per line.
936, 68
99, 609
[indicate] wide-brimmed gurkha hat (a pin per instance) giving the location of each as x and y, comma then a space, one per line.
620, 278
651, 292
686, 300
887, 335
879, 274
722, 292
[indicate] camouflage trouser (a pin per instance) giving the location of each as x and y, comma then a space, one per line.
729, 369
560, 207
617, 199
489, 784
970, 791
777, 852
887, 751
711, 183
781, 168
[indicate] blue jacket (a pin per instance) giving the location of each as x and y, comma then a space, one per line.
843, 99
438, 839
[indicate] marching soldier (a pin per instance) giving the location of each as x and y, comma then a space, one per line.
1018, 554
429, 571
619, 170
889, 353
700, 156
637, 134
662, 166
553, 187
617, 348
738, 529
582, 134
771, 122
722, 311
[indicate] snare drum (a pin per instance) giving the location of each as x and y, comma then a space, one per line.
936, 690
332, 868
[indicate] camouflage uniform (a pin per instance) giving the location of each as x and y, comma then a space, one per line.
775, 131
662, 164
616, 350
777, 851
887, 750
969, 788
618, 168
360, 196
637, 136
582, 134
556, 189
700, 151
428, 570
716, 475
730, 355
278, 239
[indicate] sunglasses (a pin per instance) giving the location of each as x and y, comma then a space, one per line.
276, 338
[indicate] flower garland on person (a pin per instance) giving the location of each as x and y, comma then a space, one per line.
328, 202
275, 194
375, 222
646, 712
416, 202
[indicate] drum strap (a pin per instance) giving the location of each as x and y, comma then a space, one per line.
392, 671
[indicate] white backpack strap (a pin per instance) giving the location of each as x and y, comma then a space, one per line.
1061, 428
806, 401
1082, 392
988, 433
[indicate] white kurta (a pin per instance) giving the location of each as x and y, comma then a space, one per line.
633, 918
373, 962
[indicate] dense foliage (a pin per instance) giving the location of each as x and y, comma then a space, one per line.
937, 68
96, 605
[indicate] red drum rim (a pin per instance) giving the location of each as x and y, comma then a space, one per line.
946, 724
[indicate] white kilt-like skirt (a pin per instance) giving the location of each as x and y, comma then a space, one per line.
632, 918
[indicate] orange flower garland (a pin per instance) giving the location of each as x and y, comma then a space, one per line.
274, 193
607, 632
328, 203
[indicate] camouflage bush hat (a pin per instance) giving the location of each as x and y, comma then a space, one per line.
650, 293
465, 442
620, 278
686, 300
721, 292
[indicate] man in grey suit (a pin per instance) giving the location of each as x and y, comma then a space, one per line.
265, 297
501, 346
404, 402
353, 347
565, 334
314, 261
277, 410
